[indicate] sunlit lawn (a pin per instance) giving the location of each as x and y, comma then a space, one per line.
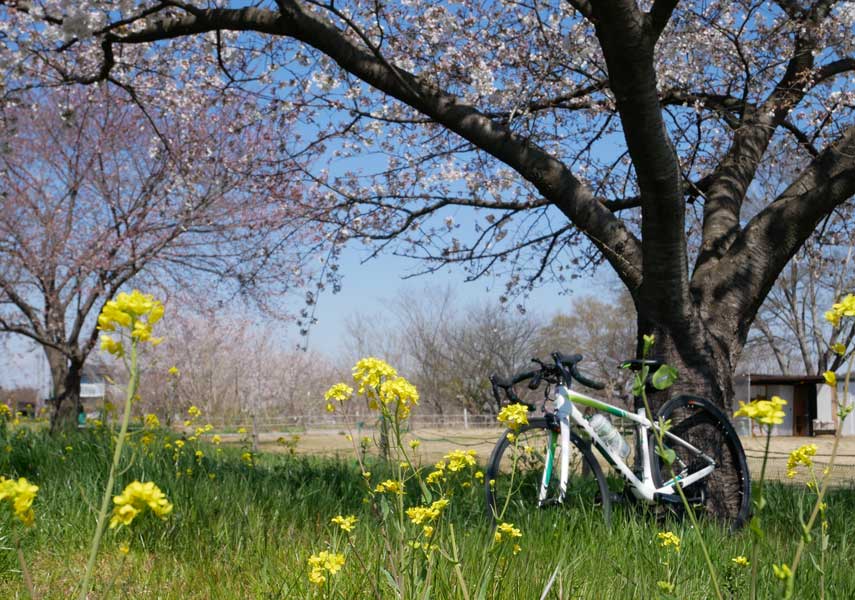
241, 531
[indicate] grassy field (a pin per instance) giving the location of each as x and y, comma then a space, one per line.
243, 530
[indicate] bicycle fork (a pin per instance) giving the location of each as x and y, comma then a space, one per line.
562, 412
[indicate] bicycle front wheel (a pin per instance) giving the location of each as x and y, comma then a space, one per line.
524, 473
725, 494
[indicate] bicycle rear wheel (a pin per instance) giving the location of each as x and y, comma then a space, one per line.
516, 470
725, 494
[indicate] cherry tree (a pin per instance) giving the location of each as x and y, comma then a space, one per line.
527, 140
253, 374
94, 198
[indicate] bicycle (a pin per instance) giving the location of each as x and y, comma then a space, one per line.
551, 460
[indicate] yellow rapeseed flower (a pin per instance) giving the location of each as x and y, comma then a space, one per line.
173, 370
803, 455
668, 539
460, 459
369, 372
345, 523
20, 495
435, 476
339, 392
421, 515
322, 563
838, 348
389, 486
194, 411
151, 421
766, 412
740, 560
830, 377
514, 416
135, 498
506, 531
111, 346
844, 308
135, 313
400, 394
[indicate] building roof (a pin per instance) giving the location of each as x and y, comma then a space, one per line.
784, 379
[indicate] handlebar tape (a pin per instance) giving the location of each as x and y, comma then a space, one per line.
570, 361
585, 381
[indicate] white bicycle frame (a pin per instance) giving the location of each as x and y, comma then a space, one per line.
644, 489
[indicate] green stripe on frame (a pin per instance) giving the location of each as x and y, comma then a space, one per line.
585, 401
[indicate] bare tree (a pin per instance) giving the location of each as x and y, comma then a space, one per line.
448, 350
602, 329
790, 323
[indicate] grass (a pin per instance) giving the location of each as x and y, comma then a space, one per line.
248, 532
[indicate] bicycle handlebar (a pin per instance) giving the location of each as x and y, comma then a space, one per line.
566, 365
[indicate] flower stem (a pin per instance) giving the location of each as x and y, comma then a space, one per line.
25, 572
760, 504
108, 490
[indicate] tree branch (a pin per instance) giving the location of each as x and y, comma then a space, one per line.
550, 176
761, 250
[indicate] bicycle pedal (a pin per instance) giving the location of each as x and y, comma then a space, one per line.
549, 502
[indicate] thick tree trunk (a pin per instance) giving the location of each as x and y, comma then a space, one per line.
65, 395
703, 356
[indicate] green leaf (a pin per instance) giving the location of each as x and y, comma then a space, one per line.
664, 377
391, 581
667, 455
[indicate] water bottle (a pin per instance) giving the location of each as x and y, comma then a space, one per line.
610, 436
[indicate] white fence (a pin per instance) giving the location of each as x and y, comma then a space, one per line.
462, 420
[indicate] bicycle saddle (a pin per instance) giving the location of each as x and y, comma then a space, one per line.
635, 364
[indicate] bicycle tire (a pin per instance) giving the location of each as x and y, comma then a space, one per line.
725, 494
586, 489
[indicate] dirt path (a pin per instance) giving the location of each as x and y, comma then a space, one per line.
437, 442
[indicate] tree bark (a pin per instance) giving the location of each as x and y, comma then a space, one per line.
703, 356
65, 393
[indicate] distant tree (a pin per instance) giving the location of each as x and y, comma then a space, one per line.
232, 368
94, 197
602, 329
449, 350
790, 325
